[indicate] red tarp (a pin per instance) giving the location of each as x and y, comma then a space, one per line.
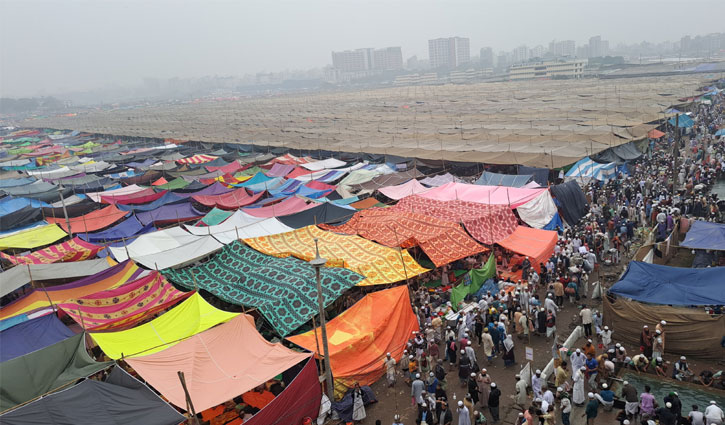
143, 197
228, 201
159, 182
95, 220
536, 244
73, 250
299, 171
232, 167
442, 241
486, 223
314, 184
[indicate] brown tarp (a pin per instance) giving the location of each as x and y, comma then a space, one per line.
689, 331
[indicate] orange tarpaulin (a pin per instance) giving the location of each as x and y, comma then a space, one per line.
359, 338
94, 220
219, 363
536, 244
655, 134
159, 182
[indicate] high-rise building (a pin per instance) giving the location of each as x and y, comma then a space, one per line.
449, 52
598, 47
562, 48
368, 59
520, 54
537, 52
486, 57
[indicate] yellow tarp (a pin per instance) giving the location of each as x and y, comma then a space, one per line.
186, 319
379, 264
33, 238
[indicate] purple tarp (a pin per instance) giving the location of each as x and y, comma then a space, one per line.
32, 335
169, 214
126, 229
280, 170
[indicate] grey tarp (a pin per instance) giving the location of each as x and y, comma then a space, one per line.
24, 378
121, 399
571, 201
510, 180
19, 218
20, 275
541, 175
618, 154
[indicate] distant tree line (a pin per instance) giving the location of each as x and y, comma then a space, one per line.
26, 105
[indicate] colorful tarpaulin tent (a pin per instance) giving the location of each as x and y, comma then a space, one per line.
473, 281
241, 226
539, 211
142, 197
291, 205
74, 250
534, 243
15, 277
160, 182
50, 368
230, 200
684, 121
496, 179
319, 214
32, 335
175, 184
657, 284
411, 187
33, 238
127, 190
439, 180
112, 277
442, 241
123, 232
90, 222
586, 168
192, 316
705, 235
280, 170
485, 223
497, 195
219, 364
178, 212
197, 159
655, 134
359, 338
282, 289
378, 263
120, 399
214, 217
125, 306
324, 164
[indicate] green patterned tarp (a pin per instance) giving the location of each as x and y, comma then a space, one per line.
284, 290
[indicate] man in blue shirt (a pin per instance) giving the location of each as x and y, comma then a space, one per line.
606, 397
592, 364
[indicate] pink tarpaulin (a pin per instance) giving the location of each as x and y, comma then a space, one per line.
141, 197
280, 170
298, 171
314, 184
289, 206
495, 195
412, 187
229, 201
219, 364
230, 168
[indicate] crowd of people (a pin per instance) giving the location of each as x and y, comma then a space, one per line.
456, 342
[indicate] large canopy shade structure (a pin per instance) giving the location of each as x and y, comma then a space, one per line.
534, 243
442, 241
378, 263
42, 298
16, 277
219, 364
485, 223
33, 238
75, 249
497, 195
282, 289
32, 335
50, 368
705, 235
125, 306
656, 284
290, 205
192, 316
119, 399
409, 188
90, 222
359, 338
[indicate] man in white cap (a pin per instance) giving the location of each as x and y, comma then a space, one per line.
521, 398
536, 382
471, 353
661, 327
591, 410
416, 389
484, 386
464, 417
578, 396
493, 401
390, 369
631, 399
657, 342
714, 414
550, 305
578, 359
606, 336
606, 397
682, 370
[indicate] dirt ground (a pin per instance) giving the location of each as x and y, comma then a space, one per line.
398, 399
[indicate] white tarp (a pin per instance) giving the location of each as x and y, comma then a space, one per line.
23, 274
241, 225
91, 168
96, 196
325, 164
317, 174
539, 211
52, 174
181, 255
154, 242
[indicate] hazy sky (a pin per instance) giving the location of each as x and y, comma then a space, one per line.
56, 46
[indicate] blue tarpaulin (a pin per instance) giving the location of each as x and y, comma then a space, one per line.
705, 235
510, 180
652, 283
554, 223
684, 122
32, 335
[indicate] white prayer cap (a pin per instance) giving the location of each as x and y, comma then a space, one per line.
473, 374
417, 375
668, 405
460, 403
493, 385
683, 358
538, 372
590, 395
663, 323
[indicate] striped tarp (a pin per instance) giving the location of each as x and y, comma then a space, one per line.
73, 250
197, 159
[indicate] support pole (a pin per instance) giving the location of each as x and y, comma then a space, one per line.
317, 263
193, 420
